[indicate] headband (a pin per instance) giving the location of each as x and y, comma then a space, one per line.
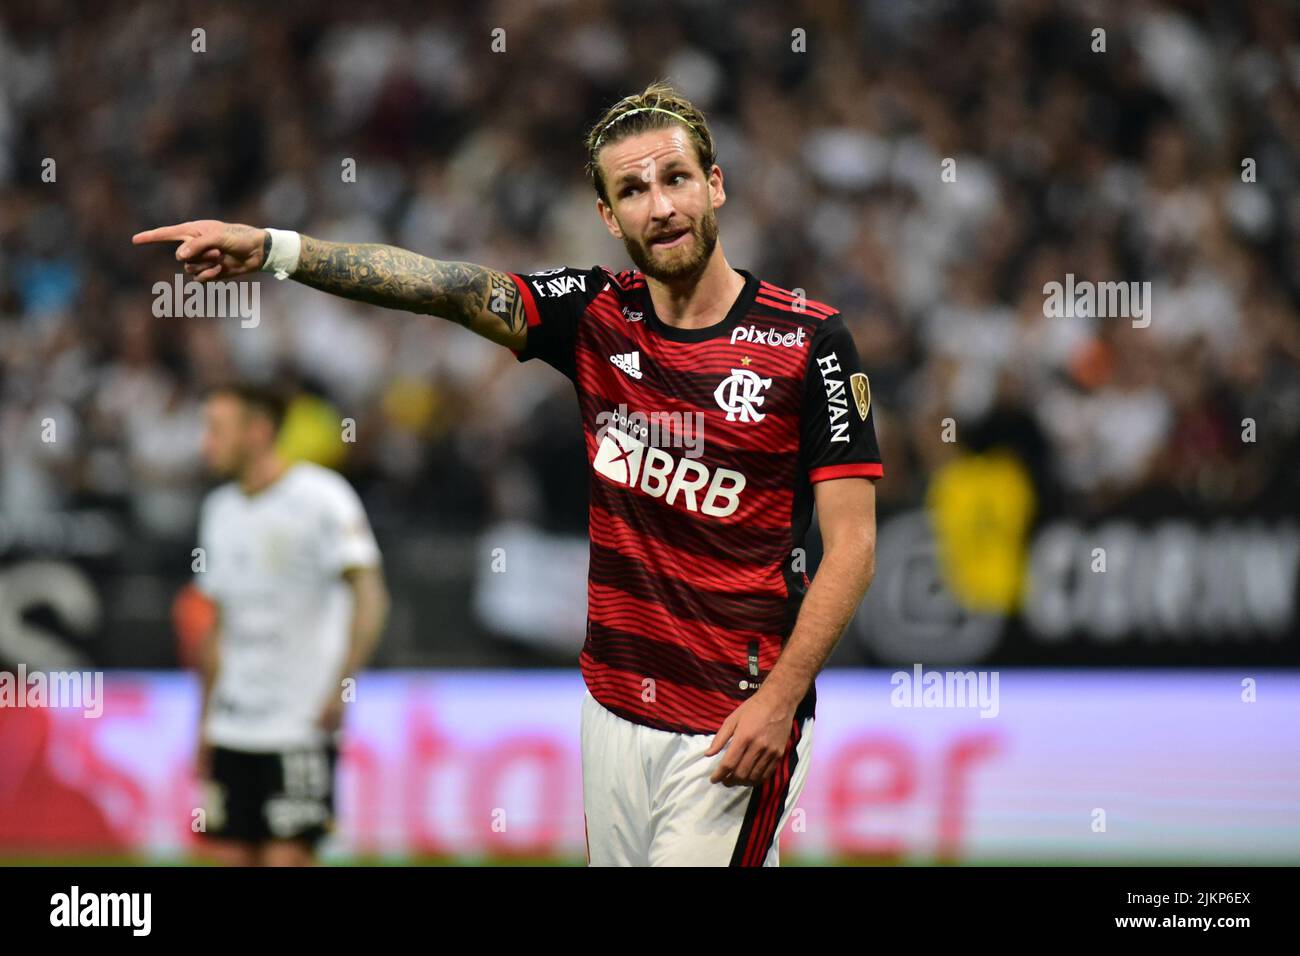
641, 109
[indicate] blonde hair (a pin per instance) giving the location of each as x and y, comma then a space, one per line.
658, 106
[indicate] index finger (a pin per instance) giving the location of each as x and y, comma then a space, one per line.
182, 230
729, 762
721, 737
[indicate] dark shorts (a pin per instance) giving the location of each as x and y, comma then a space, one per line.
255, 797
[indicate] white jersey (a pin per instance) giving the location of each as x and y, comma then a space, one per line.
274, 565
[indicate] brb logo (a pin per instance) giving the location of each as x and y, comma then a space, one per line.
628, 461
740, 393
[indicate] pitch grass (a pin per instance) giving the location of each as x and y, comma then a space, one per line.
458, 861
455, 861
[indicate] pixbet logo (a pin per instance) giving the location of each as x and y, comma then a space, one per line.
626, 461
756, 336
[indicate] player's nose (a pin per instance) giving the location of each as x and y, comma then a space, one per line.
661, 204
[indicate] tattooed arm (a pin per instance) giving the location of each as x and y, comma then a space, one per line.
483, 300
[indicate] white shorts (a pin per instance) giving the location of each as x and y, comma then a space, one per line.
648, 800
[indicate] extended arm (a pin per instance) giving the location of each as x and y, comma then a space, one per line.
483, 300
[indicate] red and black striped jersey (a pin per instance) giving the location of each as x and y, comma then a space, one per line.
704, 445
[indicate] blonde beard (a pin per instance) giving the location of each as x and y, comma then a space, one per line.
706, 240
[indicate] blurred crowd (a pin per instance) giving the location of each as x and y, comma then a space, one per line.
925, 167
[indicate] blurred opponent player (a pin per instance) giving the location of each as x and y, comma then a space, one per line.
704, 635
292, 566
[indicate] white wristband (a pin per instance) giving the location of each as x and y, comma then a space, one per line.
286, 246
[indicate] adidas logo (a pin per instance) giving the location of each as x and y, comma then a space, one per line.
629, 362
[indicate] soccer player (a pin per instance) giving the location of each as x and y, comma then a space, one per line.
294, 571
704, 634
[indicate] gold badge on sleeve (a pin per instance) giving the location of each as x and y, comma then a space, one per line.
861, 389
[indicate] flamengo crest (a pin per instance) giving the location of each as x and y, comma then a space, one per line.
740, 393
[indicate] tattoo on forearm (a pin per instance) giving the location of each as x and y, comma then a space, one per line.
399, 279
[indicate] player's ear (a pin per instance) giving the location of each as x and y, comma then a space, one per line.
716, 187
611, 223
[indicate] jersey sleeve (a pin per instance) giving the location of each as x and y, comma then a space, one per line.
554, 302
838, 429
346, 538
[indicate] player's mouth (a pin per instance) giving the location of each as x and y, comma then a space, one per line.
669, 240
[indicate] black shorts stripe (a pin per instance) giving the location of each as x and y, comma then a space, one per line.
766, 805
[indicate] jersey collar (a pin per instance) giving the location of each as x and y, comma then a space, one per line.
738, 311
